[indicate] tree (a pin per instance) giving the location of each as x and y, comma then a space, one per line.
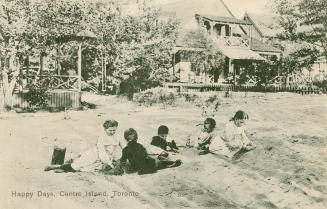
206, 60
304, 20
296, 59
261, 72
33, 27
14, 38
137, 48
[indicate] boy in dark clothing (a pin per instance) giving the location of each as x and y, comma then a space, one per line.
161, 140
139, 159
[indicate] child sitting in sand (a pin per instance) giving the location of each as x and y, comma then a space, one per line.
233, 137
102, 157
202, 139
161, 140
138, 157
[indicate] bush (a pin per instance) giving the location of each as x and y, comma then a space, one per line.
190, 97
322, 85
155, 96
88, 105
37, 97
208, 104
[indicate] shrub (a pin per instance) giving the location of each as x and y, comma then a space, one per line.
37, 97
322, 85
155, 96
190, 97
88, 105
209, 104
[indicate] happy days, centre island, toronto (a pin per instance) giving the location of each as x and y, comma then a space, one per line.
47, 194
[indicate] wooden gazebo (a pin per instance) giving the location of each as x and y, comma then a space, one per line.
64, 90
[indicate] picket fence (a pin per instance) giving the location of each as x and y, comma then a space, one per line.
189, 87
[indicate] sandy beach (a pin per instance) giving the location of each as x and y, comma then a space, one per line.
288, 169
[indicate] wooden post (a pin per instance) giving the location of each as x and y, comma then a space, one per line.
27, 68
102, 70
232, 69
105, 71
79, 67
58, 155
41, 63
79, 71
173, 67
58, 59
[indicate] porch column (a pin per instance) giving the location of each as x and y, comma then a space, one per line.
231, 35
230, 66
223, 30
232, 70
211, 28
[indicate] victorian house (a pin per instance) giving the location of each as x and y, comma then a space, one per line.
234, 38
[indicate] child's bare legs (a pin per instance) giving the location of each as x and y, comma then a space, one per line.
65, 167
165, 163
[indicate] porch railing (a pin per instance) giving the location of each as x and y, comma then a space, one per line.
54, 81
233, 41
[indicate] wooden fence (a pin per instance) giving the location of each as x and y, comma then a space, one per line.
57, 98
188, 87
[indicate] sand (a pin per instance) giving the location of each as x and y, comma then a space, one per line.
286, 170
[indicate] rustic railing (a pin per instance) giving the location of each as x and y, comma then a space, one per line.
185, 87
54, 81
233, 41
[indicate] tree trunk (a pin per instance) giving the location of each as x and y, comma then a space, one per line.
9, 85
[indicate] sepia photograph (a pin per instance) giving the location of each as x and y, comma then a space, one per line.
163, 104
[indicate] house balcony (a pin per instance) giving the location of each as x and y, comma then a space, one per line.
233, 41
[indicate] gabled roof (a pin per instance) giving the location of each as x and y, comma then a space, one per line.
224, 19
184, 10
267, 24
260, 46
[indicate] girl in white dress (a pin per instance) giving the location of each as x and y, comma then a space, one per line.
202, 139
104, 155
233, 139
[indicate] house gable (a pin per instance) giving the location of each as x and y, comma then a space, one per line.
184, 11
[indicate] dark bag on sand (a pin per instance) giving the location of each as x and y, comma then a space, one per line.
58, 155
